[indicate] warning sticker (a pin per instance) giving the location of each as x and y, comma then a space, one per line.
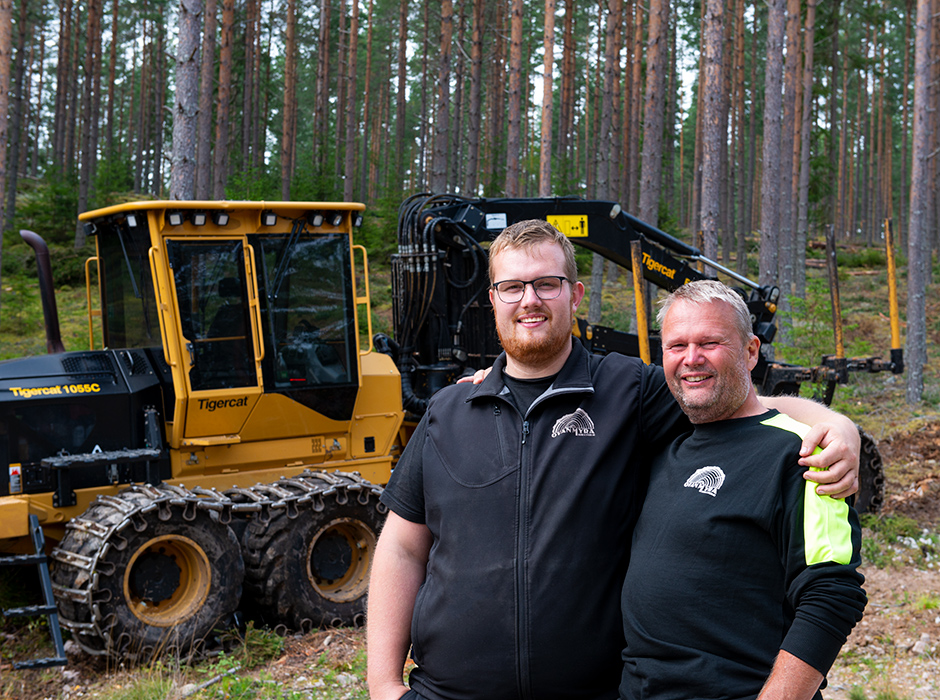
16, 478
572, 225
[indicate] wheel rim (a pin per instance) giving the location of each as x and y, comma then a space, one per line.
338, 559
167, 580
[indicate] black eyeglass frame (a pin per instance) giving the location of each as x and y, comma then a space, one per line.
560, 278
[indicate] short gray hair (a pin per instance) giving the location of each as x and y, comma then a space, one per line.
706, 292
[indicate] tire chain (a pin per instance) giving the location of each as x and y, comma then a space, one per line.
876, 473
78, 558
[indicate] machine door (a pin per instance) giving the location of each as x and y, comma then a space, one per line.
213, 293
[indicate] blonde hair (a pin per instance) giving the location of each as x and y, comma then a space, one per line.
526, 235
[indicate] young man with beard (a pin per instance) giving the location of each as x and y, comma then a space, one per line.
513, 504
743, 581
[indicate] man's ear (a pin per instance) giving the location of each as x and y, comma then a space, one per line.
753, 352
577, 294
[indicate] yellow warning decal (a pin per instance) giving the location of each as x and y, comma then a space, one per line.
572, 225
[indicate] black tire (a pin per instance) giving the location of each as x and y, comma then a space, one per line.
871, 477
308, 565
147, 572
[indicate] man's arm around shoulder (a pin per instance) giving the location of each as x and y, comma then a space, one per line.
398, 570
837, 438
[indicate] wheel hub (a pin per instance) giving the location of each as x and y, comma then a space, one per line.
338, 559
167, 580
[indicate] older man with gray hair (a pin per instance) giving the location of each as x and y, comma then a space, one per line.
742, 580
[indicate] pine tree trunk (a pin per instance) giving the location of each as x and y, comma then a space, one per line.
18, 107
918, 241
112, 71
802, 229
602, 189
222, 112
770, 178
288, 117
366, 109
786, 237
471, 176
513, 139
186, 107
438, 179
248, 81
712, 137
204, 139
652, 159
352, 120
545, 139
6, 48
905, 120
401, 101
320, 119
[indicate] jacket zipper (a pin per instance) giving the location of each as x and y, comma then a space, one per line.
522, 599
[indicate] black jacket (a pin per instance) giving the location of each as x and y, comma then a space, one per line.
532, 518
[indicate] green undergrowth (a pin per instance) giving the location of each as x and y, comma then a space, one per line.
894, 541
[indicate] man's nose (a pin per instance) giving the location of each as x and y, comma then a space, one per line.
693, 355
529, 297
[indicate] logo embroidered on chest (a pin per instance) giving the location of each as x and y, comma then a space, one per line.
707, 480
578, 424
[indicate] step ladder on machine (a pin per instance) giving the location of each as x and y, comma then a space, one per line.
49, 609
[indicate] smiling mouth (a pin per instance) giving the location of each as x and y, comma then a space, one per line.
531, 320
696, 379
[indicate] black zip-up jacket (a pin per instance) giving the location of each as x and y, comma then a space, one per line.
531, 519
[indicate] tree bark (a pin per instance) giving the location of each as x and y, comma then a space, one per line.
918, 242
787, 130
652, 159
438, 179
770, 178
352, 119
366, 110
711, 126
513, 139
472, 178
320, 118
186, 107
6, 48
802, 229
204, 123
222, 111
18, 107
605, 142
289, 115
545, 139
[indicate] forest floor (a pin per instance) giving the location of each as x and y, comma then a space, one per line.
893, 654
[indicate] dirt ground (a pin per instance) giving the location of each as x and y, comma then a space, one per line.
893, 653
896, 647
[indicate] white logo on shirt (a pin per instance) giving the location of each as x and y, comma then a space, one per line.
707, 480
578, 423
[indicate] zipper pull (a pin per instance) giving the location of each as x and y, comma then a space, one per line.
496, 409
525, 430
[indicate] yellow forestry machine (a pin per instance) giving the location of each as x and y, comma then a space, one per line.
224, 453
197, 454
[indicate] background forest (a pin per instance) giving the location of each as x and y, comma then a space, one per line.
759, 124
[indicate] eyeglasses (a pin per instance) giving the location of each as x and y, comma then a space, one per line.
545, 288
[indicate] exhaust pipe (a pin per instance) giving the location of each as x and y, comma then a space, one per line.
47, 291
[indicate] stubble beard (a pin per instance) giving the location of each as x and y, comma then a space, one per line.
730, 393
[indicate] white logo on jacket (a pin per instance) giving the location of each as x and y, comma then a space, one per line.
707, 480
578, 423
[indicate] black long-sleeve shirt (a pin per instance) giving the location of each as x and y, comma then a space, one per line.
734, 558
